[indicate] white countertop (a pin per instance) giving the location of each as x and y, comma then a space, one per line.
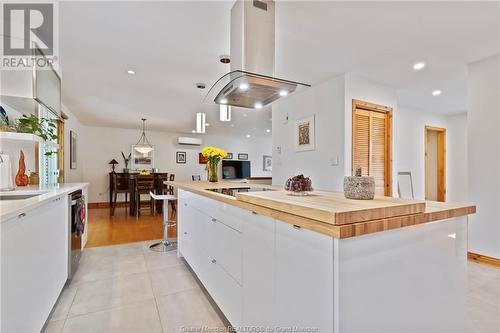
12, 208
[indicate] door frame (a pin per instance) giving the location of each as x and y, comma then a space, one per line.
441, 161
367, 106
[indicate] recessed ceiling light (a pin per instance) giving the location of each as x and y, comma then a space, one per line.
244, 115
131, 72
207, 124
258, 105
248, 135
283, 92
419, 66
223, 101
243, 86
268, 130
193, 131
436, 92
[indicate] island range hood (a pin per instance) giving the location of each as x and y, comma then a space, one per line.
251, 82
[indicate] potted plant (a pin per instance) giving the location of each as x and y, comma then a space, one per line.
214, 156
42, 127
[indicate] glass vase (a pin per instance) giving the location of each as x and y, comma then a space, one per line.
212, 171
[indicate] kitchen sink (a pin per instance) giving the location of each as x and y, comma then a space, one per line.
17, 196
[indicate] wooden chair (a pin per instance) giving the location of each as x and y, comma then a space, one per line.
119, 185
144, 185
196, 178
172, 203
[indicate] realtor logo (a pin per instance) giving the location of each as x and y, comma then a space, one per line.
25, 23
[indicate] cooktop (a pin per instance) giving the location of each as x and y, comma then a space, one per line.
232, 191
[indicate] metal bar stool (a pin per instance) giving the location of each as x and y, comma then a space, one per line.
165, 245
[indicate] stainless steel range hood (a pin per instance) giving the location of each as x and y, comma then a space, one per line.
251, 82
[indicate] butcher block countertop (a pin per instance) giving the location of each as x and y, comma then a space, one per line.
330, 212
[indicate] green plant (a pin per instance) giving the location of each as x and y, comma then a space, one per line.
42, 127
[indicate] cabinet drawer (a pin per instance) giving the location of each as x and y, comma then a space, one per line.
228, 296
228, 250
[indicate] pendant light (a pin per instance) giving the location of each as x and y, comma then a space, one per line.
224, 109
200, 122
143, 146
224, 112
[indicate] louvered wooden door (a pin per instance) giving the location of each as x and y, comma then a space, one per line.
371, 135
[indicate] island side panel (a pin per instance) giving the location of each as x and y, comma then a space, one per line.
413, 277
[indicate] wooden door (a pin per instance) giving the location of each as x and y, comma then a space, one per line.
371, 148
435, 163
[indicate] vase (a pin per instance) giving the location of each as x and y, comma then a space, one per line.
212, 171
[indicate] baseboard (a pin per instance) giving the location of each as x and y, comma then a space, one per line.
93, 205
483, 259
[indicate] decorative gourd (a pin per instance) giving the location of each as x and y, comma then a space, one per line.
21, 178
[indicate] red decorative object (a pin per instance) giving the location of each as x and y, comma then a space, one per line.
21, 178
202, 159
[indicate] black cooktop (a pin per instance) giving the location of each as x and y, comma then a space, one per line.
232, 191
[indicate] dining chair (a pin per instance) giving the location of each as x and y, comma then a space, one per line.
172, 203
119, 185
144, 185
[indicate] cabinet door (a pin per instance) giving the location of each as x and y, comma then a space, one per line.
184, 225
228, 250
227, 295
34, 261
304, 278
258, 270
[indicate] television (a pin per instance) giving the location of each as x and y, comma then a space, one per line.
235, 169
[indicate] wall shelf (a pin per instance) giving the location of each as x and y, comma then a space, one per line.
6, 137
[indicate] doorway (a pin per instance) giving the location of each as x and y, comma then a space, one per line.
435, 163
372, 143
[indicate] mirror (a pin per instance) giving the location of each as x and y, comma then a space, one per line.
405, 185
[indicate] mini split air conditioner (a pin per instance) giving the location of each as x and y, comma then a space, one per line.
189, 141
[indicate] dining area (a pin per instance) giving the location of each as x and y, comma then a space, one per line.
136, 189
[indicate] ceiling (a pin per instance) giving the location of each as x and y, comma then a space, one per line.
382, 41
173, 45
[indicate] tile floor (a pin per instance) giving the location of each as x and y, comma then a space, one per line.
127, 288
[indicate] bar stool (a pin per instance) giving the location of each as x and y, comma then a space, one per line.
165, 245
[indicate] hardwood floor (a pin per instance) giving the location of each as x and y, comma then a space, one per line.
122, 228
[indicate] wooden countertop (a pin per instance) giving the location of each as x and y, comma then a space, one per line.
330, 212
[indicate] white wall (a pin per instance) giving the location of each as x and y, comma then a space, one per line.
456, 171
358, 87
326, 102
72, 124
98, 145
411, 144
484, 156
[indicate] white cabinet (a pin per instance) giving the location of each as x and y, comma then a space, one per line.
304, 278
34, 265
258, 270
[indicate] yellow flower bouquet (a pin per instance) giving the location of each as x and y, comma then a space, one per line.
213, 155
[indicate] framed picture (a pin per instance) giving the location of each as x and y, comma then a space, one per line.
305, 134
243, 156
267, 163
202, 159
229, 156
73, 138
142, 161
180, 157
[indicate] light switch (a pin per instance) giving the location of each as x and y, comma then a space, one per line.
335, 160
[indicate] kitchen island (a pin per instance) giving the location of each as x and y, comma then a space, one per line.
323, 263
